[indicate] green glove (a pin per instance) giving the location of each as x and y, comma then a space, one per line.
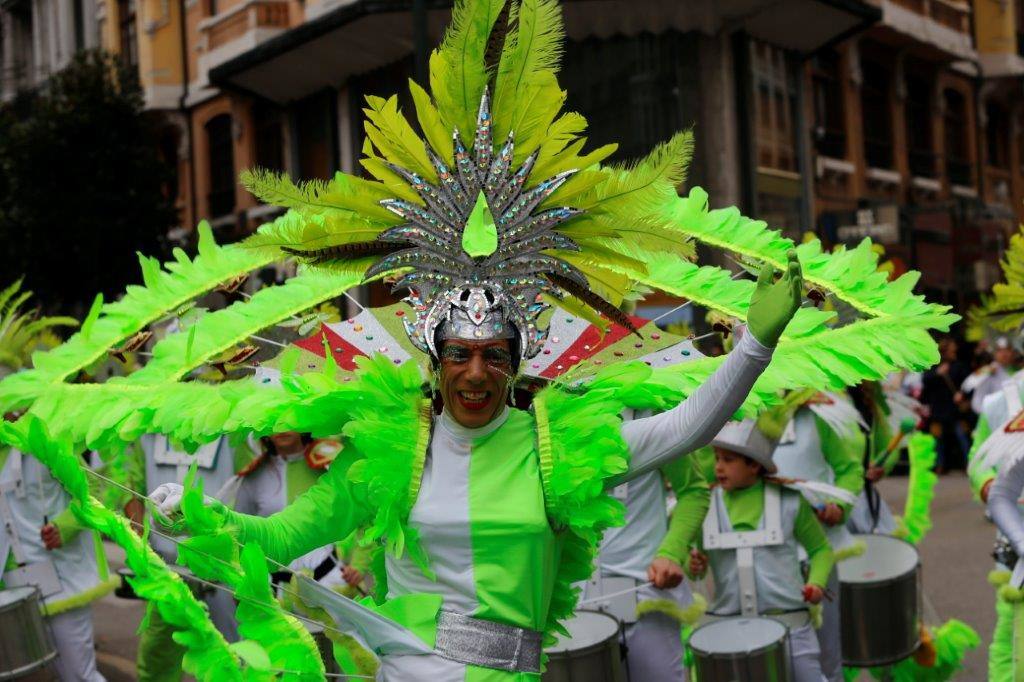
773, 304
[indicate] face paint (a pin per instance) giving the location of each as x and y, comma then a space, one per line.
474, 379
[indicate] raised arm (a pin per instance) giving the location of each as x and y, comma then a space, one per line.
693, 423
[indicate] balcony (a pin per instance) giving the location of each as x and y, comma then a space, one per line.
942, 24
241, 28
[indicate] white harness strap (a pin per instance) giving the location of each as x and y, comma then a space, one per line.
1012, 394
769, 533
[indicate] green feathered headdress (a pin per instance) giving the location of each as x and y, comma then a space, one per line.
1003, 309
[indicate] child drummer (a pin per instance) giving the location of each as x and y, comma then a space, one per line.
750, 539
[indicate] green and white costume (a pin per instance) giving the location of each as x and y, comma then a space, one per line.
997, 410
753, 537
29, 496
823, 442
487, 515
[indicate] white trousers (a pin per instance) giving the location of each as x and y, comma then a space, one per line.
830, 635
76, 652
655, 650
804, 653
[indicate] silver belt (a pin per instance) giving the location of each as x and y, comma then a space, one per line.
473, 641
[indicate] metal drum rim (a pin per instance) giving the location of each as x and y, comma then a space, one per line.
741, 654
32, 589
882, 661
884, 582
25, 669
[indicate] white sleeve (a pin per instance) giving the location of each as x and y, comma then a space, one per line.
1002, 503
692, 424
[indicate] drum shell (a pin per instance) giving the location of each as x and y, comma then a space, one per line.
769, 662
25, 643
880, 620
600, 662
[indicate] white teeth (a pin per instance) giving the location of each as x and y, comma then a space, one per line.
474, 396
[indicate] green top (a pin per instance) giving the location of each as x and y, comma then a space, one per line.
745, 507
845, 457
693, 496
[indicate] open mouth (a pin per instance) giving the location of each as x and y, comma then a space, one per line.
474, 400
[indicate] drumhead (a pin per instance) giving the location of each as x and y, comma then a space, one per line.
586, 629
15, 595
737, 635
884, 558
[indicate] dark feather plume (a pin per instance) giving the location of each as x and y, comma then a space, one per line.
347, 251
593, 300
496, 42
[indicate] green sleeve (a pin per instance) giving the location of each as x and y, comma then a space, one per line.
844, 455
979, 475
329, 511
811, 536
693, 496
68, 525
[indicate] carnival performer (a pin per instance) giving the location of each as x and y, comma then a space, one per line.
989, 378
887, 418
993, 444
823, 442
650, 548
41, 542
766, 581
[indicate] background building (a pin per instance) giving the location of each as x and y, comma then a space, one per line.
898, 119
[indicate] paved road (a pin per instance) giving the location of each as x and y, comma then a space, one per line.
955, 555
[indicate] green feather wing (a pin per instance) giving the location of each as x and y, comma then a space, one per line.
165, 289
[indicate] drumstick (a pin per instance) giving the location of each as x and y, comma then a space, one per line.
906, 426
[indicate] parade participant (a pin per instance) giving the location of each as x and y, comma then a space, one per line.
990, 378
650, 549
887, 416
998, 411
159, 657
44, 545
41, 543
762, 576
289, 464
823, 442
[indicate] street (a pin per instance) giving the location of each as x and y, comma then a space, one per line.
955, 556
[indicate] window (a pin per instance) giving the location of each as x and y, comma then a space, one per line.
918, 116
954, 124
79, 22
997, 140
267, 127
222, 165
773, 108
126, 27
827, 91
874, 102
313, 128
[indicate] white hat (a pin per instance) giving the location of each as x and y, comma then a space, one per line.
746, 439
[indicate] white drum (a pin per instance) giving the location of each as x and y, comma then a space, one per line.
880, 602
591, 652
25, 644
741, 650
